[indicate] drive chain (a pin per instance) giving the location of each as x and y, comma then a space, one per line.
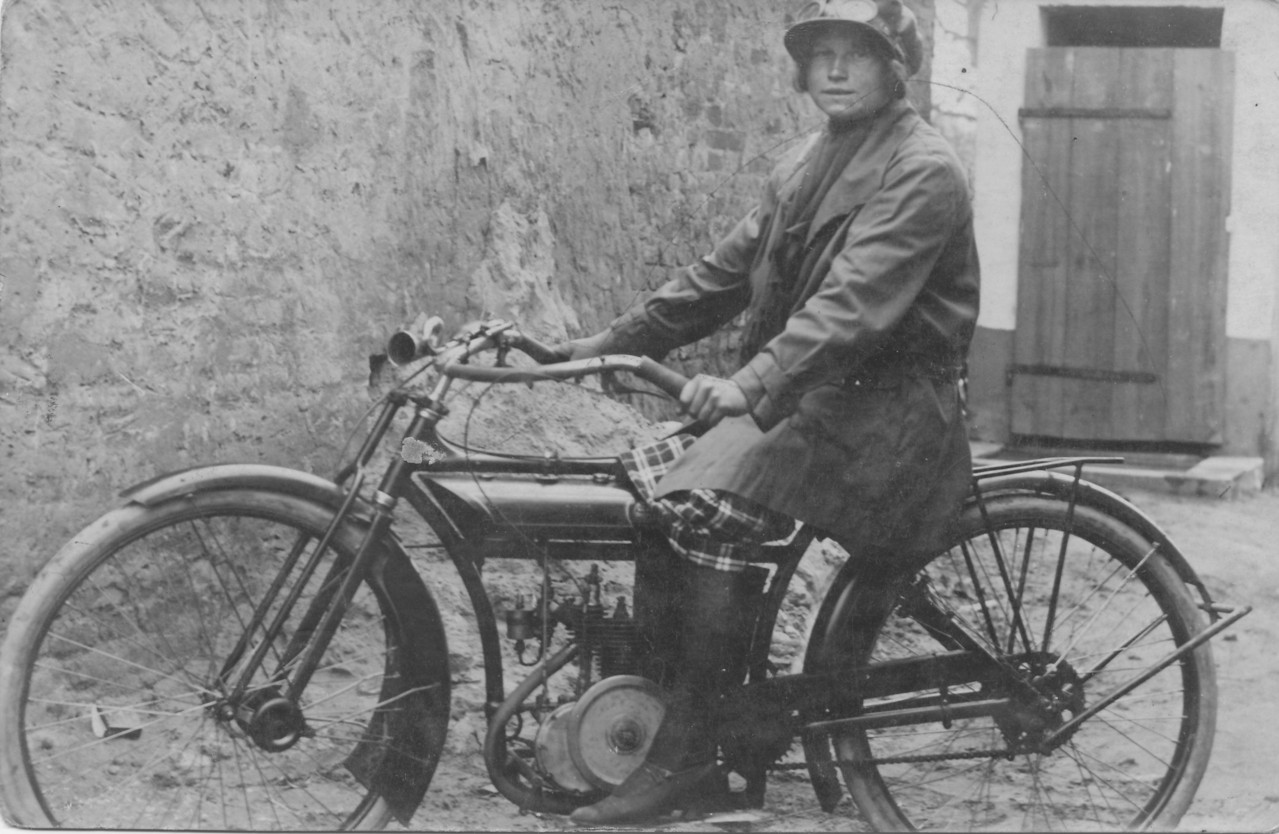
922, 757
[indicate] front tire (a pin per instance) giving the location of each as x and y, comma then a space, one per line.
1114, 609
112, 708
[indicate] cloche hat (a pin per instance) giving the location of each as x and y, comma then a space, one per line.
889, 23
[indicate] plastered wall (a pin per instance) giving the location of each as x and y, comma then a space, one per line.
212, 212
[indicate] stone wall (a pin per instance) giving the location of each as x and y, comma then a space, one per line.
212, 211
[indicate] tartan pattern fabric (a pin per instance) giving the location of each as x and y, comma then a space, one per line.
711, 528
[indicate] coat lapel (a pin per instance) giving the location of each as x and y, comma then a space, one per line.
864, 175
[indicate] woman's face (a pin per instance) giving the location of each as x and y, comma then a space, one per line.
847, 80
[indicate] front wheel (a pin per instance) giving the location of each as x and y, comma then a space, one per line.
114, 707
1072, 605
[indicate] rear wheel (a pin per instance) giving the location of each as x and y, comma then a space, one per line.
1073, 605
114, 708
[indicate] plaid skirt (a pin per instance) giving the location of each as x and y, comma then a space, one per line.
709, 527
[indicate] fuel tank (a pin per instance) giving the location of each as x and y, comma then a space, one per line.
512, 508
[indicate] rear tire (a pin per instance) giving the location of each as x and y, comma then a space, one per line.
1118, 608
109, 678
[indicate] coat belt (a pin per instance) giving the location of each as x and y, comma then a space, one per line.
891, 374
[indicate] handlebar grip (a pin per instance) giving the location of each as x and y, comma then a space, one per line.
540, 353
671, 382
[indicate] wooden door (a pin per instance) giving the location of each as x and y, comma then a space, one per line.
1120, 332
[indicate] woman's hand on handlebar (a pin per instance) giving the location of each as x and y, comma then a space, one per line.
711, 399
707, 399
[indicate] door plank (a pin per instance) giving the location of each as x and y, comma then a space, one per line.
1036, 401
1203, 84
1089, 320
1144, 231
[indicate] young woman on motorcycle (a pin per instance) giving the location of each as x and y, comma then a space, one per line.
858, 275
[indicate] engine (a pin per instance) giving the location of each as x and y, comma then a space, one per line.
592, 737
600, 725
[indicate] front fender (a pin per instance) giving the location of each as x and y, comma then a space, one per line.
224, 476
420, 680
419, 684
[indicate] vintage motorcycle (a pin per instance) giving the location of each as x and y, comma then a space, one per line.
251, 647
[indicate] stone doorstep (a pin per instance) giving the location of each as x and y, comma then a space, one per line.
1212, 477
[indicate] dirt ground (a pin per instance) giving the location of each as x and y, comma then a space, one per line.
1232, 544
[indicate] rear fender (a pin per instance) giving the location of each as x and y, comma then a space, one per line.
1085, 493
858, 572
419, 679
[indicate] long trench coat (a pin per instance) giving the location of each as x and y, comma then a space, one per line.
855, 423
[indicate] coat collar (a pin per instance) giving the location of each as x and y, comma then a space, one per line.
864, 175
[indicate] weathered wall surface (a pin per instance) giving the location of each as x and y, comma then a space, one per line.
212, 211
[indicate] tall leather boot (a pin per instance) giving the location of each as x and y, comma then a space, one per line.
657, 608
718, 614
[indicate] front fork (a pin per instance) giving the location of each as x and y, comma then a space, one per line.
270, 713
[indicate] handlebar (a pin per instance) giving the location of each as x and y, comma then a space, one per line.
670, 382
535, 350
554, 362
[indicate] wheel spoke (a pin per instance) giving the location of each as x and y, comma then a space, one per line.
122, 660
99, 742
1114, 594
1121, 792
136, 642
